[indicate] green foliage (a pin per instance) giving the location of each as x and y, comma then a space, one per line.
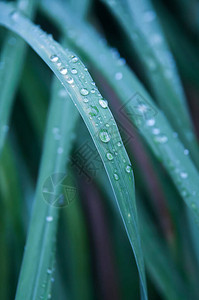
75, 213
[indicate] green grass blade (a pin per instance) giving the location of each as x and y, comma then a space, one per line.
140, 22
159, 262
44, 216
73, 217
175, 38
73, 223
12, 57
165, 145
77, 233
165, 274
79, 88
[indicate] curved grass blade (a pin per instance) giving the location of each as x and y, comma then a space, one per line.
151, 122
93, 110
79, 248
187, 58
12, 57
159, 262
140, 22
73, 217
41, 246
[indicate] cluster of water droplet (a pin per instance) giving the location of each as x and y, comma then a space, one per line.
94, 107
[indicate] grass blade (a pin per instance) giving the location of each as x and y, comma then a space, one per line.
148, 40
165, 145
44, 216
12, 57
79, 88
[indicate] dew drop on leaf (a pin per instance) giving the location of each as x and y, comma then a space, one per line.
183, 175
156, 131
74, 71
63, 71
128, 169
116, 177
186, 152
150, 122
118, 76
162, 139
109, 156
70, 80
54, 58
49, 218
75, 59
103, 103
49, 271
104, 136
84, 92
60, 150
93, 111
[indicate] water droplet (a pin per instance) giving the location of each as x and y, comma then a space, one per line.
118, 76
162, 139
49, 271
63, 71
93, 111
184, 193
119, 144
49, 218
14, 15
103, 103
54, 58
186, 152
142, 108
116, 177
150, 122
121, 61
69, 79
183, 175
93, 91
85, 100
128, 168
60, 150
155, 131
84, 92
109, 156
74, 71
75, 59
104, 136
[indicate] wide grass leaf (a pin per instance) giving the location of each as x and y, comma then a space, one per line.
12, 57
140, 22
